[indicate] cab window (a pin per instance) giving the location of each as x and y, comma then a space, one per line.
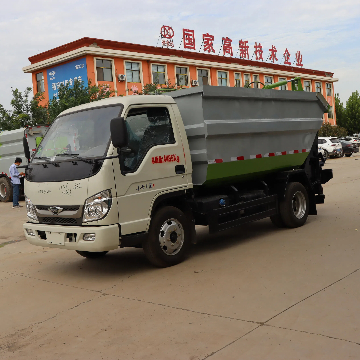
147, 127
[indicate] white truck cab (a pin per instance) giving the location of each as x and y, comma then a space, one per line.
80, 203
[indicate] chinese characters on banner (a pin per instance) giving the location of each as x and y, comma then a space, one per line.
167, 34
66, 74
188, 40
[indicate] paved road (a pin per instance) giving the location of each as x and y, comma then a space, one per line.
255, 292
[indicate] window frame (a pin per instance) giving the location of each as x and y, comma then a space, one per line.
282, 79
326, 89
310, 84
152, 75
187, 74
227, 77
268, 76
321, 89
209, 76
42, 82
258, 81
140, 72
244, 82
239, 79
112, 69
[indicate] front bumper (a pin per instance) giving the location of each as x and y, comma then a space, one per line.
71, 237
335, 152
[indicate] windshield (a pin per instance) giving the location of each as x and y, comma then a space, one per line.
83, 134
334, 140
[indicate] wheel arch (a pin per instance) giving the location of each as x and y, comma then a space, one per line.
299, 176
176, 199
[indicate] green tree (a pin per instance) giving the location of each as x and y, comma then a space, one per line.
24, 112
27, 111
78, 94
353, 113
340, 112
329, 130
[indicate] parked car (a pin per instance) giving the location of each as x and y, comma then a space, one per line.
331, 146
353, 139
322, 154
348, 147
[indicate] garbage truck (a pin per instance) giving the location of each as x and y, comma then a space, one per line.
143, 171
11, 146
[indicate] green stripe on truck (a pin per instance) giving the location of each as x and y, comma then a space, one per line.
252, 169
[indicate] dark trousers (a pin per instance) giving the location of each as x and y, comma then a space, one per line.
15, 194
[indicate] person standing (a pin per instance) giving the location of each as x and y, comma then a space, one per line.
15, 181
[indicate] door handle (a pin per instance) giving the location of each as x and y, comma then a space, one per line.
179, 169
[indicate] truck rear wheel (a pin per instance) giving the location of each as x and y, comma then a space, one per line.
5, 189
92, 255
169, 237
294, 208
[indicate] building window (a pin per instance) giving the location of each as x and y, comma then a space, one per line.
246, 80
328, 89
222, 78
132, 71
268, 80
202, 73
318, 87
104, 70
282, 87
182, 76
237, 79
158, 74
331, 113
256, 81
307, 85
40, 82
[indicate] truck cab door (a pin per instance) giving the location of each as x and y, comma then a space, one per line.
153, 164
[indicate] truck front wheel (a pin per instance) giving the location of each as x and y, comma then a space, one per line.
5, 189
169, 237
294, 208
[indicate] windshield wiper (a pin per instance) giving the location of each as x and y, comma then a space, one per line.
66, 154
42, 157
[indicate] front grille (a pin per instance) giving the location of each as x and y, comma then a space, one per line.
65, 208
59, 221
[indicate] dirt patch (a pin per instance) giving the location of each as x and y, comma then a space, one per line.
11, 343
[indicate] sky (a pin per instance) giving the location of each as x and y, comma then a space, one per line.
326, 32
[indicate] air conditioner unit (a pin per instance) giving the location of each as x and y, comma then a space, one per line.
195, 83
122, 77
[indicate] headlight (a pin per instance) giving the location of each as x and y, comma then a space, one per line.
97, 206
30, 209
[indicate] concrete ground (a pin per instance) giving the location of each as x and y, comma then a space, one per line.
255, 292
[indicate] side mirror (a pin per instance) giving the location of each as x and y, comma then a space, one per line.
118, 131
26, 148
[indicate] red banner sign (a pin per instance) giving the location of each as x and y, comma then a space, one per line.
188, 40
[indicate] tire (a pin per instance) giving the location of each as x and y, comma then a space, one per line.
326, 154
169, 237
5, 189
348, 155
341, 153
92, 255
294, 208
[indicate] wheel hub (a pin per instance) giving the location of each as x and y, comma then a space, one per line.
2, 190
171, 237
299, 204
